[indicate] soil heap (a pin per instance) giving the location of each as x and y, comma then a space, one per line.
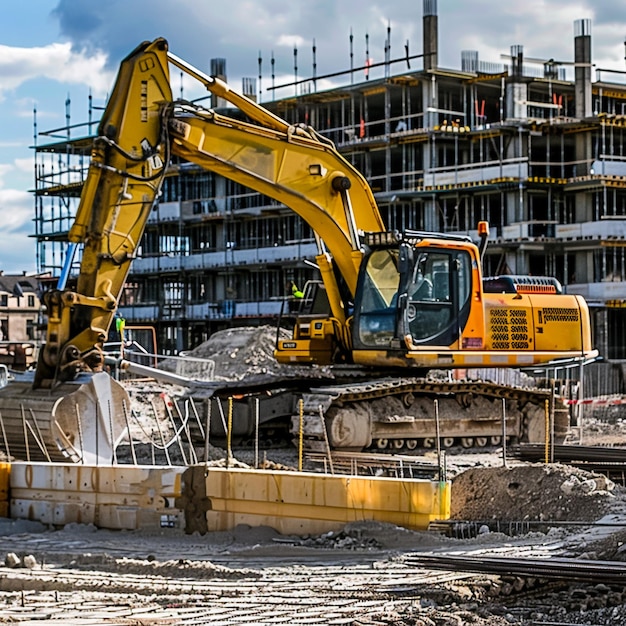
533, 493
238, 353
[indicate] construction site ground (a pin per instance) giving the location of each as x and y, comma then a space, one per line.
361, 575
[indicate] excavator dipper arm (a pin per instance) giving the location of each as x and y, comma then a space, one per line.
128, 163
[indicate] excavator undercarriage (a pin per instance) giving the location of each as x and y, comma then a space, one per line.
404, 414
393, 414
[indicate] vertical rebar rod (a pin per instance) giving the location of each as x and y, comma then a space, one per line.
546, 409
503, 432
112, 434
301, 433
80, 435
25, 433
97, 434
165, 448
206, 432
438, 436
552, 402
229, 432
328, 452
257, 419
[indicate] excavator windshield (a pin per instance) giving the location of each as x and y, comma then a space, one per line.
376, 314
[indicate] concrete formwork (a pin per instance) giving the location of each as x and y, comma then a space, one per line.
205, 499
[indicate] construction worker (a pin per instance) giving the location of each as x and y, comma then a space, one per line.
295, 292
120, 324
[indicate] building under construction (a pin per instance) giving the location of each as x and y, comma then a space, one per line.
538, 149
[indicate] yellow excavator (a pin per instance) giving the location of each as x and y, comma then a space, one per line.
395, 304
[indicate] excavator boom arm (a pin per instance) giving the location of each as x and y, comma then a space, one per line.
301, 172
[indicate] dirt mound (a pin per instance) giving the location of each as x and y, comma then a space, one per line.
235, 354
532, 493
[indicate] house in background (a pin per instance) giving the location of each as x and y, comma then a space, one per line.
20, 315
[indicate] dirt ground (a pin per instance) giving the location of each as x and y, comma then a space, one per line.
361, 576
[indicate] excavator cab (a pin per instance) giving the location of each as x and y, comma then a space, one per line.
413, 295
419, 293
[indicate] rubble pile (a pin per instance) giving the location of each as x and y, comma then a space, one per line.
235, 354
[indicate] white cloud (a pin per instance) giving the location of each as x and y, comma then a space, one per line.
16, 205
57, 62
25, 165
17, 249
16, 208
5, 168
290, 41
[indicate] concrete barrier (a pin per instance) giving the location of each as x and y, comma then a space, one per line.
210, 499
307, 503
118, 496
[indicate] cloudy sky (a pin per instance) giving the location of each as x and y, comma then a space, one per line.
54, 53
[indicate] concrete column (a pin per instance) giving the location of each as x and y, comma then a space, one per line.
583, 108
582, 70
430, 35
517, 88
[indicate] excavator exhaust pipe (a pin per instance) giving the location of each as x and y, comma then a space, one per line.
80, 421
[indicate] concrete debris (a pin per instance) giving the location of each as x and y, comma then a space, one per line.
11, 560
236, 353
30, 561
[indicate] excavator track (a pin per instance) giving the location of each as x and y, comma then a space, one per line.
402, 413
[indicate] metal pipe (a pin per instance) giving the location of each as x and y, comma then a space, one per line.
229, 451
300, 433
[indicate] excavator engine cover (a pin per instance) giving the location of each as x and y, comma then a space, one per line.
80, 421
